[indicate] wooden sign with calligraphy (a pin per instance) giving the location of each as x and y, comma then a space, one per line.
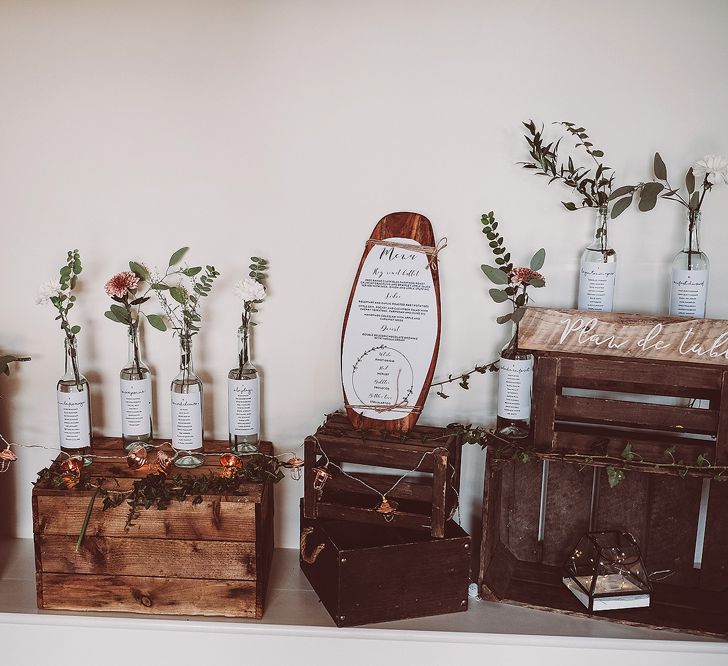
649, 337
391, 329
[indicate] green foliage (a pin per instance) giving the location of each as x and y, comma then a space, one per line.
593, 185
614, 476
177, 256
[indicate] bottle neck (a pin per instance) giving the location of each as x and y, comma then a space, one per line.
185, 355
692, 235
135, 358
71, 362
601, 228
243, 346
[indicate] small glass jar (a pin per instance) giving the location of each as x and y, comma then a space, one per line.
74, 407
515, 378
598, 269
187, 411
244, 400
135, 381
689, 274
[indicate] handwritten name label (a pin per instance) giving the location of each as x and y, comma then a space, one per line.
626, 335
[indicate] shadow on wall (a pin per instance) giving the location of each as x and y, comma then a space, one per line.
8, 480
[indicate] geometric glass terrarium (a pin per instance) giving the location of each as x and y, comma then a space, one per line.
606, 572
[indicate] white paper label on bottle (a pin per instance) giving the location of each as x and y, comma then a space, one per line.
596, 286
74, 427
187, 421
689, 293
243, 406
136, 406
514, 389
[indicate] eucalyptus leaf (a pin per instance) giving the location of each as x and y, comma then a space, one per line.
121, 314
160, 286
110, 315
504, 318
140, 271
690, 180
179, 294
537, 282
498, 295
178, 256
495, 275
157, 322
621, 191
518, 314
660, 168
620, 206
538, 259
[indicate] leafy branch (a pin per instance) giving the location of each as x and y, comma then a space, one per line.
464, 379
593, 185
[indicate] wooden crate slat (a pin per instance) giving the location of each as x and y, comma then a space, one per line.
393, 455
623, 507
643, 376
721, 445
651, 446
213, 520
412, 521
636, 414
146, 594
522, 507
417, 491
714, 570
568, 503
545, 389
129, 556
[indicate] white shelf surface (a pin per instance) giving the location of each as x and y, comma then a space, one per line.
296, 629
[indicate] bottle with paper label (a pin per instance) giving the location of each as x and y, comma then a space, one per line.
135, 382
74, 407
598, 269
187, 409
515, 378
244, 399
689, 274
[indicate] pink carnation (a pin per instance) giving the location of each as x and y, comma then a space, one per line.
120, 283
523, 276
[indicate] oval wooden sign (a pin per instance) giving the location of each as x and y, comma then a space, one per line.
391, 332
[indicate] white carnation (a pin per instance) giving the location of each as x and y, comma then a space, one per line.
248, 290
46, 291
712, 167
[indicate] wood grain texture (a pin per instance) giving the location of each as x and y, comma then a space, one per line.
146, 594
398, 225
128, 556
619, 335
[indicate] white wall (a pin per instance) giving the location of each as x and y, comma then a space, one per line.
287, 129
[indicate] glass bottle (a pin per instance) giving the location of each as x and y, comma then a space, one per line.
135, 381
689, 275
74, 407
598, 269
243, 400
515, 377
187, 409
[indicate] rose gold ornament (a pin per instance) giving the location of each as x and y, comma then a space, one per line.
71, 471
295, 464
137, 457
322, 475
6, 457
230, 464
387, 508
163, 464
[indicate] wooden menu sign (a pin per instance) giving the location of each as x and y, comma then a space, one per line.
625, 335
391, 329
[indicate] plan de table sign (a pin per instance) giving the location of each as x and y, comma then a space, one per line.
623, 335
392, 326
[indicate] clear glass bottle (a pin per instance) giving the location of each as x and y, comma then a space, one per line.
515, 378
244, 400
689, 274
598, 269
74, 407
135, 382
187, 409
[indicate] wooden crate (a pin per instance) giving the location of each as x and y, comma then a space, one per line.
426, 500
661, 511
369, 573
212, 558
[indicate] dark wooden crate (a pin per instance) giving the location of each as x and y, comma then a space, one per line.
661, 511
425, 501
369, 573
212, 558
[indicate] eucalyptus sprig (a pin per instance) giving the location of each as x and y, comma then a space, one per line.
514, 281
592, 184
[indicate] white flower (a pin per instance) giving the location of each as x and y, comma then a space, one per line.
248, 290
712, 167
46, 291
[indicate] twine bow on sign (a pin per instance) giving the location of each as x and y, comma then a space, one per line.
430, 251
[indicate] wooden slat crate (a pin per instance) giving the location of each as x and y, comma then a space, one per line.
369, 573
426, 500
211, 558
661, 511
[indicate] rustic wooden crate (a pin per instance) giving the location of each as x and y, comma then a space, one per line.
425, 501
369, 573
661, 511
212, 558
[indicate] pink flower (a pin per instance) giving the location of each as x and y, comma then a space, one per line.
523, 276
120, 283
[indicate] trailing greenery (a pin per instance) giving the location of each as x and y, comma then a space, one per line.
463, 380
593, 184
